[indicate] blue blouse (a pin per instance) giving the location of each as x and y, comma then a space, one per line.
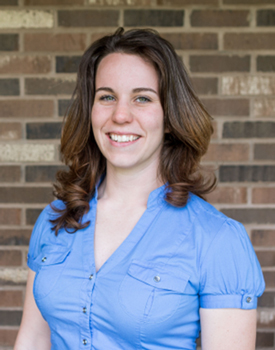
147, 295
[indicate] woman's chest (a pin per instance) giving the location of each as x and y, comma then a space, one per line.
146, 290
112, 227
139, 302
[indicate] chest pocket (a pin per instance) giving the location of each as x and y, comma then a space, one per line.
51, 263
152, 293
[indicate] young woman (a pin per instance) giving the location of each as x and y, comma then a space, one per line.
130, 256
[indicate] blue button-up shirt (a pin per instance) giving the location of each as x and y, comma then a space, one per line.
147, 295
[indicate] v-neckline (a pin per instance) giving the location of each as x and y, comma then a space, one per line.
154, 204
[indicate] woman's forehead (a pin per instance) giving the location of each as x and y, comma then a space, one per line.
125, 68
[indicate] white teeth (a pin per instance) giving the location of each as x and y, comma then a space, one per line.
123, 138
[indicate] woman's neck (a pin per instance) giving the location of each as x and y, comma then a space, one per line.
125, 187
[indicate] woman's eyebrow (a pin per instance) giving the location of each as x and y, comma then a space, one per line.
134, 90
105, 89
144, 89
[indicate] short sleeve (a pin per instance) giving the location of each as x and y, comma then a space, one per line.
231, 276
35, 246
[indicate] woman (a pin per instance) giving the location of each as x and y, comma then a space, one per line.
130, 256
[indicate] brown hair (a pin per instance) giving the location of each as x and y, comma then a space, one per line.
188, 124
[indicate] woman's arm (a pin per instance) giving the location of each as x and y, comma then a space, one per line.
227, 329
34, 331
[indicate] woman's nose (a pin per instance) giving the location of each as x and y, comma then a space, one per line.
122, 113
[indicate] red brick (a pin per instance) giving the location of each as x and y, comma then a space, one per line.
9, 42
10, 131
10, 258
264, 151
269, 277
267, 299
266, 258
264, 238
10, 317
26, 108
219, 18
88, 18
8, 336
25, 194
10, 173
10, 216
32, 215
264, 195
266, 63
15, 237
249, 41
49, 86
251, 215
205, 86
186, 2
25, 64
115, 3
234, 195
96, 36
8, 2
264, 340
215, 132
11, 298
219, 63
266, 319
54, 42
227, 152
227, 107
53, 2
192, 41
248, 2
264, 107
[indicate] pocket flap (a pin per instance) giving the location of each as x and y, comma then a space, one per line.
51, 257
164, 277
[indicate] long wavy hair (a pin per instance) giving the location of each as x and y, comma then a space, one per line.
185, 118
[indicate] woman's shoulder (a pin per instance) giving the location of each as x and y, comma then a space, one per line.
210, 225
205, 215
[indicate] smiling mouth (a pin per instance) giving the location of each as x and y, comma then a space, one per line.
123, 138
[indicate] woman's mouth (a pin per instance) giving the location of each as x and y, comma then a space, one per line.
123, 138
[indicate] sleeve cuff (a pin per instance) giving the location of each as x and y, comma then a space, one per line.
245, 301
31, 264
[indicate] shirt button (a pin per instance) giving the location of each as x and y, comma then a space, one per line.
44, 259
156, 278
91, 277
84, 341
248, 299
84, 310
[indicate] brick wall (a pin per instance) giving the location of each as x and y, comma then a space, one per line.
229, 49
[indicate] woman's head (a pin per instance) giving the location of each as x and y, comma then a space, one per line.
186, 123
127, 115
184, 117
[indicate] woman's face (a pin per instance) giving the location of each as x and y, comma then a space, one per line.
127, 116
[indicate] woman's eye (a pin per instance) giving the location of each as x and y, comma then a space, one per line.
106, 98
143, 99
